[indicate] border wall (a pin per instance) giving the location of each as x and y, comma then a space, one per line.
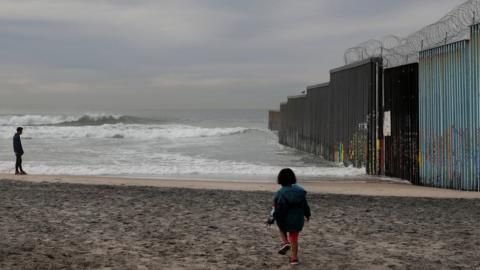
401, 122
449, 116
338, 120
291, 124
319, 142
419, 122
355, 127
274, 120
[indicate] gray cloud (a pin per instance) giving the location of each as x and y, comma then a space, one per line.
111, 55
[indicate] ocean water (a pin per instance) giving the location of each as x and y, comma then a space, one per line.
171, 144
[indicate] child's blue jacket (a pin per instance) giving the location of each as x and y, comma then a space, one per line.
291, 208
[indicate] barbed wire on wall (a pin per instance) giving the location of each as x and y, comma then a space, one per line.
397, 51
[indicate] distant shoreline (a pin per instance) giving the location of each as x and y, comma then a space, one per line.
363, 186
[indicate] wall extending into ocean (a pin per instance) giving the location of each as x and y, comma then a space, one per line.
274, 120
331, 120
419, 122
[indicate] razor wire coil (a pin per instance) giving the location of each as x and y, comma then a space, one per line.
397, 51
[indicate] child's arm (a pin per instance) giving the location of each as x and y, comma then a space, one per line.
280, 207
271, 217
306, 209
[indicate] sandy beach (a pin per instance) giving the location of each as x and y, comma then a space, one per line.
104, 225
358, 185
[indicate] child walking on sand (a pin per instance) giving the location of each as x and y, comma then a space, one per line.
290, 209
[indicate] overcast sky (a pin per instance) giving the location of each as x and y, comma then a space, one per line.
111, 55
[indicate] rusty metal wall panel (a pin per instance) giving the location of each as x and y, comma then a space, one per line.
319, 120
282, 130
292, 122
274, 120
355, 124
401, 101
448, 117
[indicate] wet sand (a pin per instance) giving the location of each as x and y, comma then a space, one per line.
75, 226
359, 185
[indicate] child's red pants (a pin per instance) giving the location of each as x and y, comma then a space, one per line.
293, 237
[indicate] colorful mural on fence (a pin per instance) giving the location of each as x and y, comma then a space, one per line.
449, 115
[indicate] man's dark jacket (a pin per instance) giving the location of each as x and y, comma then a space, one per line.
17, 144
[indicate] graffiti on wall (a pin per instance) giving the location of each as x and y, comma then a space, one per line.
452, 156
358, 148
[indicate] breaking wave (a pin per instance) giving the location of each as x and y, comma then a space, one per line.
98, 120
172, 148
123, 131
64, 120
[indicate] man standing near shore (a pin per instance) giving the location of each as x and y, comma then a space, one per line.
18, 149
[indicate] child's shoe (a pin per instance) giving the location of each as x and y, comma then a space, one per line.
283, 250
294, 261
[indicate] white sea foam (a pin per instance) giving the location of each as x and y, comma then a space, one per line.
36, 120
30, 120
122, 131
184, 167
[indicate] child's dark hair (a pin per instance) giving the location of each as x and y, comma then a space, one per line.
286, 177
19, 129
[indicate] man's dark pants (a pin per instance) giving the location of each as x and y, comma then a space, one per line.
18, 164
